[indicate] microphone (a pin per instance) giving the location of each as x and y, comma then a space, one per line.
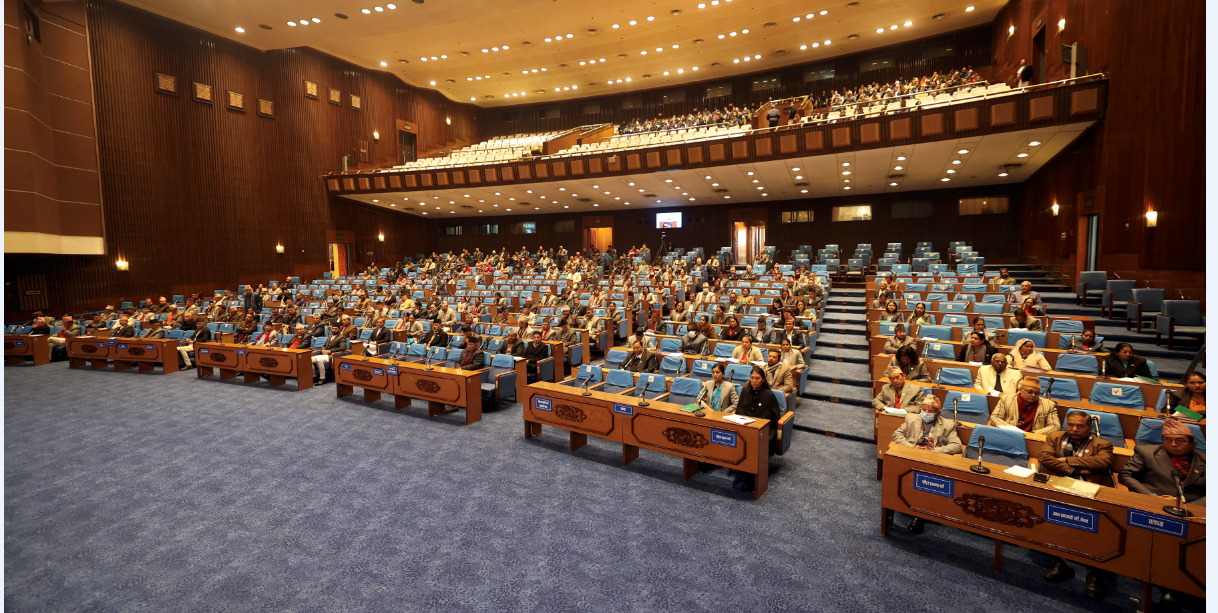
643, 401
1049, 389
1178, 510
1104, 369
955, 401
427, 354
978, 468
584, 385
938, 376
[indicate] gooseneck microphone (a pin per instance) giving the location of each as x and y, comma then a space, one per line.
978, 468
1178, 510
587, 392
427, 355
642, 390
955, 402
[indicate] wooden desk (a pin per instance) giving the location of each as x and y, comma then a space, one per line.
146, 353
1063, 406
96, 351
1105, 532
559, 352
18, 347
660, 426
279, 364
1051, 354
229, 359
439, 386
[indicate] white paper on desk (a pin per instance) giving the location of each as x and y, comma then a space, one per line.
739, 419
758, 363
1020, 472
994, 392
1129, 379
1010, 427
1017, 329
976, 364
676, 353
929, 338
895, 411
734, 360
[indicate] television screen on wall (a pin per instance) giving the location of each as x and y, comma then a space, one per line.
668, 220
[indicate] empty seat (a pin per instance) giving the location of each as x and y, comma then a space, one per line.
972, 407
1002, 446
956, 377
684, 390
1077, 363
1117, 395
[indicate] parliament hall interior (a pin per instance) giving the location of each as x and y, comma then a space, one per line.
549, 305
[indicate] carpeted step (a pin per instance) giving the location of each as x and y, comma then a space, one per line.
841, 341
859, 395
836, 354
836, 419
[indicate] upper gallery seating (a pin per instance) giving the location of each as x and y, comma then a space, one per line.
497, 149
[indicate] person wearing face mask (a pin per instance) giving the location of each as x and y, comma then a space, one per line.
899, 339
928, 429
695, 342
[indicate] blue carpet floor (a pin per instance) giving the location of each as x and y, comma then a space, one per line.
130, 492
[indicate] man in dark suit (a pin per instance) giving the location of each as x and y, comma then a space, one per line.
513, 345
1152, 468
153, 329
302, 340
640, 360
472, 357
123, 329
437, 337
380, 334
253, 302
335, 343
202, 334
1080, 453
534, 352
467, 332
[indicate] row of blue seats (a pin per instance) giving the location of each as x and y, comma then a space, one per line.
1061, 326
1009, 447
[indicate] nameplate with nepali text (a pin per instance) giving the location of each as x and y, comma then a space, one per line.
931, 484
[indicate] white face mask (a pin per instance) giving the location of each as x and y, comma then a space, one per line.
693, 333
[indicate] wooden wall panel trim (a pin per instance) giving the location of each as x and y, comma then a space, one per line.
899, 129
1041, 108
1084, 101
763, 147
693, 153
653, 159
1001, 114
541, 170
674, 157
475, 176
594, 166
932, 125
814, 140
632, 161
458, 177
869, 133
740, 150
717, 152
577, 168
841, 136
787, 144
966, 119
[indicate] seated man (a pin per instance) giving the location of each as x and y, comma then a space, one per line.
123, 329
791, 333
1025, 291
695, 342
472, 357
152, 329
640, 334
186, 346
882, 296
1021, 319
98, 324
303, 339
1152, 468
437, 337
335, 343
535, 352
927, 429
269, 337
513, 345
566, 334
899, 339
745, 351
380, 334
640, 360
996, 377
412, 328
468, 336
898, 394
779, 375
60, 339
1026, 410
1003, 278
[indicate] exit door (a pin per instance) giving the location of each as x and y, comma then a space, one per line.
748, 237
406, 146
1091, 260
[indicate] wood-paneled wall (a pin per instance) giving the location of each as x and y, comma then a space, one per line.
709, 226
198, 195
51, 185
1147, 154
971, 48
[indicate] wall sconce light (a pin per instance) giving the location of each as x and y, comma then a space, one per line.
1011, 31
448, 120
1055, 209
380, 237
121, 264
1061, 24
376, 135
1152, 219
278, 248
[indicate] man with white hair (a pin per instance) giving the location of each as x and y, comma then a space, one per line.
927, 429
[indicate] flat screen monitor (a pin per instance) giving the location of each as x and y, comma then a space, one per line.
668, 220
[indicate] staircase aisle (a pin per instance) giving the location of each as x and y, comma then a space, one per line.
837, 396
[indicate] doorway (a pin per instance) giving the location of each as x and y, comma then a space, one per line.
406, 146
340, 259
748, 237
600, 238
1038, 57
1091, 259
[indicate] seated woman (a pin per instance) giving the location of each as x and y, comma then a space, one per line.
975, 349
733, 331
717, 394
1191, 398
745, 351
891, 313
1029, 307
920, 317
899, 339
908, 361
1021, 319
1087, 342
790, 357
1025, 354
1124, 363
758, 402
806, 312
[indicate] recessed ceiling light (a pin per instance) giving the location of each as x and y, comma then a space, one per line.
1002, 174
892, 27
424, 212
291, 23
756, 181
727, 197
708, 176
797, 177
894, 183
847, 187
750, 173
945, 179
969, 9
242, 30
1034, 143
384, 63
366, 11
595, 205
650, 18
633, 22
908, 23
879, 30
901, 158
714, 185
316, 20
392, 204
549, 39
1022, 155
375, 200
955, 161
760, 187
566, 206
378, 9
962, 151
951, 171
828, 42
391, 6
845, 172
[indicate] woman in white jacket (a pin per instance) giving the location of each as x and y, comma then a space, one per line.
1025, 354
